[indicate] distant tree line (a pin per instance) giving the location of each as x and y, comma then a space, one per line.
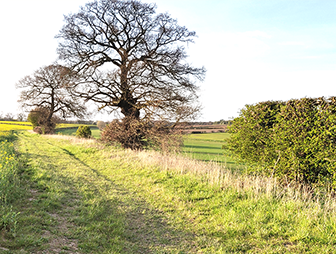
11, 117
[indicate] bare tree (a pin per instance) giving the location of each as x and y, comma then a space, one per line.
21, 117
48, 89
9, 117
133, 59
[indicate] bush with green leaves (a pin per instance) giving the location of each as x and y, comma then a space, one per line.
294, 139
252, 133
39, 118
305, 140
84, 132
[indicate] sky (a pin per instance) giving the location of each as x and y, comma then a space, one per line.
253, 50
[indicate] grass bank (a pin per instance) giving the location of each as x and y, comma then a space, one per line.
86, 198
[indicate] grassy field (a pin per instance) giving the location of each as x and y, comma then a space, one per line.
72, 132
77, 196
70, 125
60, 128
208, 147
205, 147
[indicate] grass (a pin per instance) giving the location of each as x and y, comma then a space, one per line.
70, 125
86, 198
208, 147
205, 147
72, 132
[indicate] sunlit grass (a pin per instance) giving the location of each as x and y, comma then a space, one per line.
209, 147
112, 200
70, 125
72, 132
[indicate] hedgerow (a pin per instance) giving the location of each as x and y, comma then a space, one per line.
294, 139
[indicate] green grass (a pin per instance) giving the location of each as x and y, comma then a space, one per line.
85, 198
72, 132
208, 147
70, 125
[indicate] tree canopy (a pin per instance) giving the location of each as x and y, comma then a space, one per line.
131, 59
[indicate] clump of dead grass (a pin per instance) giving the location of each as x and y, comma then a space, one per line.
73, 139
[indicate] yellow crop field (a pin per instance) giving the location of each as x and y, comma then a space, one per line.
9, 127
15, 123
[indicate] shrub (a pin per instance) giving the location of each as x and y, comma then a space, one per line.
252, 133
83, 132
294, 139
33, 118
139, 134
38, 129
39, 117
306, 139
101, 125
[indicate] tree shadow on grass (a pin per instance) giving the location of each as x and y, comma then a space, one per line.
125, 219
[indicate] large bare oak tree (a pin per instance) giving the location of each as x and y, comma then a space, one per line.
47, 90
131, 59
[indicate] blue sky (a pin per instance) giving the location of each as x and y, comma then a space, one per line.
253, 50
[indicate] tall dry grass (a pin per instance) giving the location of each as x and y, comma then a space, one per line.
255, 186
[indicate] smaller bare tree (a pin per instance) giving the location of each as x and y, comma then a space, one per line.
21, 117
48, 89
9, 117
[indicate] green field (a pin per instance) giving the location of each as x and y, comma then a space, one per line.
205, 147
72, 132
208, 147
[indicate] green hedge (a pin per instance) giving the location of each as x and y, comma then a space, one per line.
295, 139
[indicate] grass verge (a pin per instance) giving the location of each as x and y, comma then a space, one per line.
86, 198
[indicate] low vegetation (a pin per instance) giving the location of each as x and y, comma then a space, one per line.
209, 147
10, 189
84, 132
81, 196
294, 140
